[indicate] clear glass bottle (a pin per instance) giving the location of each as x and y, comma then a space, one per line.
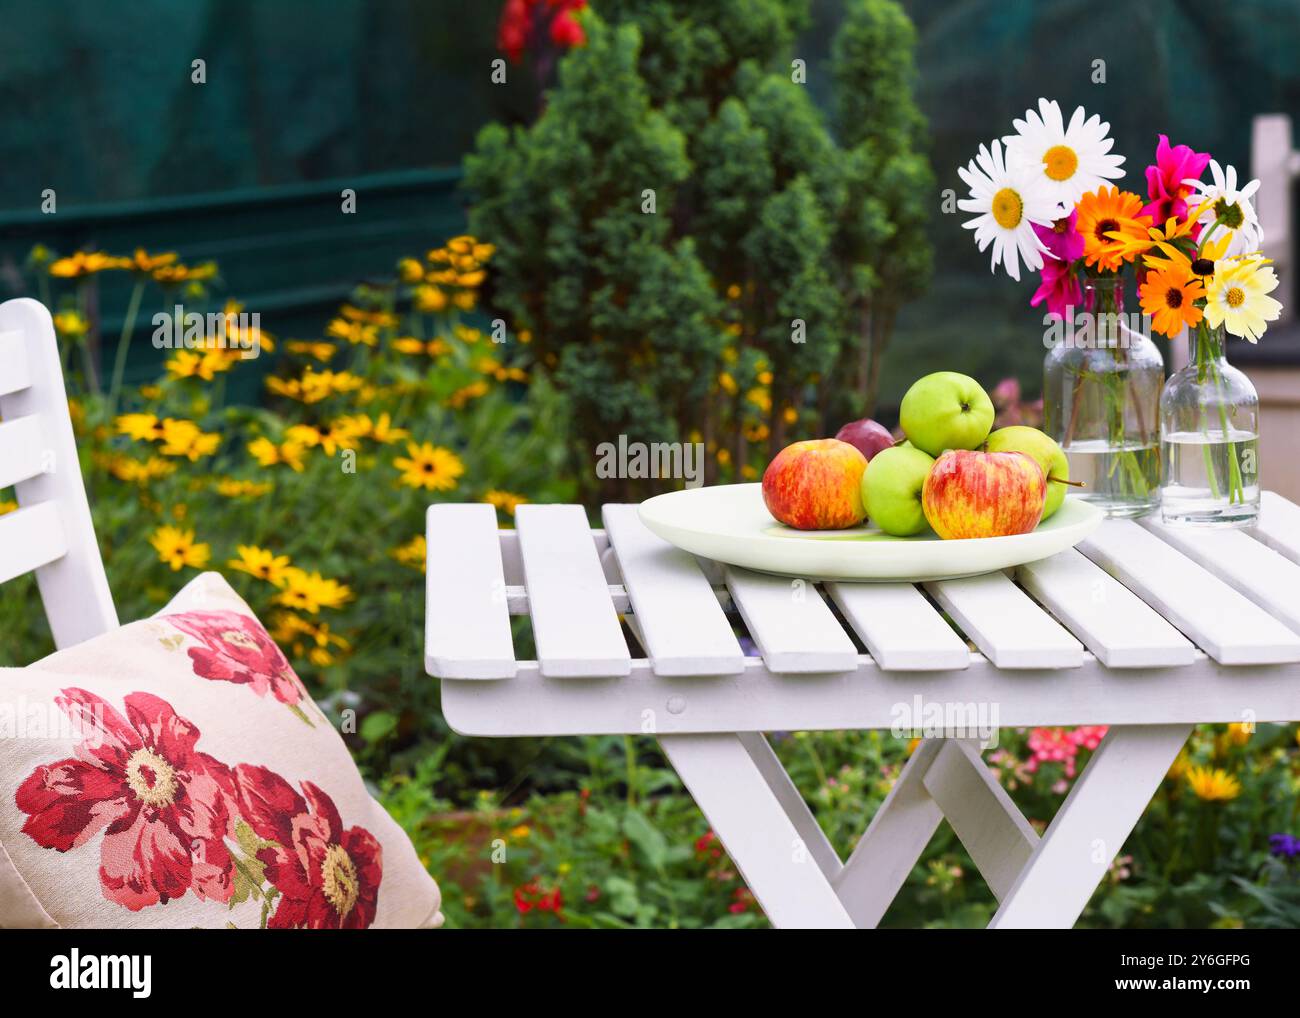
1101, 389
1209, 426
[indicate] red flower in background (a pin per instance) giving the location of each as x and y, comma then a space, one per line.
531, 897
523, 22
162, 805
328, 877
237, 649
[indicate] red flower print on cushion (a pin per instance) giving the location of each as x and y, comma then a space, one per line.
163, 806
235, 648
328, 877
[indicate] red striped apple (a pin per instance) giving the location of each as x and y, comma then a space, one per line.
983, 494
816, 485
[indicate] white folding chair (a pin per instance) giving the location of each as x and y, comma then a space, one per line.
51, 532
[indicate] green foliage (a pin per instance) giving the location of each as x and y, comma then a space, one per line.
753, 298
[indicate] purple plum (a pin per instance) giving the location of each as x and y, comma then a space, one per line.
867, 436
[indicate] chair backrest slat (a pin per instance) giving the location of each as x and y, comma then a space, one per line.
52, 532
30, 538
15, 373
22, 450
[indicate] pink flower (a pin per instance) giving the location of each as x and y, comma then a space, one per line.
1059, 288
236, 649
1165, 185
1088, 736
163, 806
1062, 238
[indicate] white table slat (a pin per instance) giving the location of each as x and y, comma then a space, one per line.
575, 627
1113, 622
15, 372
794, 629
1246, 565
30, 537
1279, 525
684, 629
1223, 622
899, 626
22, 450
467, 619
1005, 623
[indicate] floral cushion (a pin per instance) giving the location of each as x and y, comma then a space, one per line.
175, 773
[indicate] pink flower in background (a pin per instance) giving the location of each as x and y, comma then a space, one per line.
1062, 238
1089, 736
1058, 287
1165, 180
1062, 745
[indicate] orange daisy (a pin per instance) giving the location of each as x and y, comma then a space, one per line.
1103, 214
1168, 296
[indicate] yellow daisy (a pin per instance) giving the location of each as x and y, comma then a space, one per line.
85, 263
178, 548
72, 324
1213, 784
429, 466
184, 438
429, 299
322, 352
265, 565
379, 429
413, 553
504, 500
310, 592
1236, 297
140, 427
268, 454
232, 487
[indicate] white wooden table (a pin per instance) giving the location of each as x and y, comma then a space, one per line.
1142, 628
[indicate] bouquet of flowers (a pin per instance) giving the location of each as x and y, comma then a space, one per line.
1044, 196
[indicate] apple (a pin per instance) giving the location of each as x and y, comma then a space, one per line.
1046, 453
816, 485
946, 410
867, 436
891, 490
984, 494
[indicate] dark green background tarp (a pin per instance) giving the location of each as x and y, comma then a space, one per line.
304, 98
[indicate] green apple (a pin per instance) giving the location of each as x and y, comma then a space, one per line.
891, 490
1044, 451
946, 410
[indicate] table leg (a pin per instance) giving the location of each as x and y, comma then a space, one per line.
772, 853
1091, 826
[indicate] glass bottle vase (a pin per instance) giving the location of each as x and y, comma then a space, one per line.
1101, 388
1209, 422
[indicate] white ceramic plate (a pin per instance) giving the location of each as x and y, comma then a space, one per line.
730, 523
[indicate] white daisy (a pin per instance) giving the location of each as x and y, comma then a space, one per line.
1074, 159
1231, 207
1009, 200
